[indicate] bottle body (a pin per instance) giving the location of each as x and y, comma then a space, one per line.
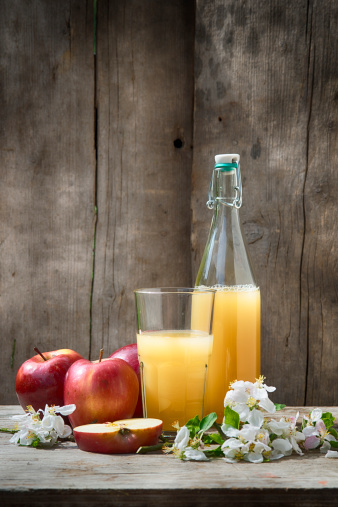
226, 267
236, 343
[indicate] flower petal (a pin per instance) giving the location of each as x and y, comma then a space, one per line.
295, 446
194, 454
255, 418
182, 438
260, 447
283, 445
259, 393
276, 455
309, 431
243, 411
248, 432
229, 460
66, 410
270, 389
229, 430
59, 425
316, 414
48, 422
331, 454
233, 443
325, 447
278, 427
67, 430
253, 457
240, 396
320, 426
330, 437
311, 442
267, 405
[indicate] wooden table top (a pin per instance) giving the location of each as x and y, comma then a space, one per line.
66, 476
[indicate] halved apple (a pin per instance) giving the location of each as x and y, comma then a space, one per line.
120, 437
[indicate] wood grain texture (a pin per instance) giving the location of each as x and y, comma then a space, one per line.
265, 87
47, 180
319, 273
144, 105
66, 476
264, 77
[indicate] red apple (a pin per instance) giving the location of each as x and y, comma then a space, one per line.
102, 391
119, 437
40, 380
129, 354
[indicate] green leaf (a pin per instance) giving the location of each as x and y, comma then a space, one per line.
208, 421
213, 438
214, 453
193, 426
279, 406
334, 444
328, 419
231, 417
273, 437
333, 432
35, 442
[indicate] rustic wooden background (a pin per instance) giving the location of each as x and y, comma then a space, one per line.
106, 161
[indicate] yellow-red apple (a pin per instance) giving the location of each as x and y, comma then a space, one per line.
129, 354
40, 380
119, 437
102, 391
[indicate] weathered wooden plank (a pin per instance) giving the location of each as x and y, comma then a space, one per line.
70, 476
319, 275
47, 169
264, 87
144, 105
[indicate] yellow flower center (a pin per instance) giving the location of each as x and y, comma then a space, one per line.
260, 380
251, 402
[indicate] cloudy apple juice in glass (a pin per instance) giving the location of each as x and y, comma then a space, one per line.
174, 348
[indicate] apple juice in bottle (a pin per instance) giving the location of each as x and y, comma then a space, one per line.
226, 267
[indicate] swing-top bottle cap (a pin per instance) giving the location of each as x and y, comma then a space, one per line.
227, 162
227, 158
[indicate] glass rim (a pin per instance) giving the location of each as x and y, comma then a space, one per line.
174, 290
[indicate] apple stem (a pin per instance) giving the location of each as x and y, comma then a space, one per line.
38, 351
101, 354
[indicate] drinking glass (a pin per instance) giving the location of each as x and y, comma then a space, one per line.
174, 342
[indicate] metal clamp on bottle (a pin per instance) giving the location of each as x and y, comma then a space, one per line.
226, 167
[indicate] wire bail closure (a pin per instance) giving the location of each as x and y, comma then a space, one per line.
226, 167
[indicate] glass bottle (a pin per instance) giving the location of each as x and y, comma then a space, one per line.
226, 267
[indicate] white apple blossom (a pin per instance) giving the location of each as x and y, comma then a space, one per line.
186, 448
248, 399
248, 444
253, 436
33, 430
313, 417
286, 429
317, 435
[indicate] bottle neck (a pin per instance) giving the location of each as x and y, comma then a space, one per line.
225, 260
225, 186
